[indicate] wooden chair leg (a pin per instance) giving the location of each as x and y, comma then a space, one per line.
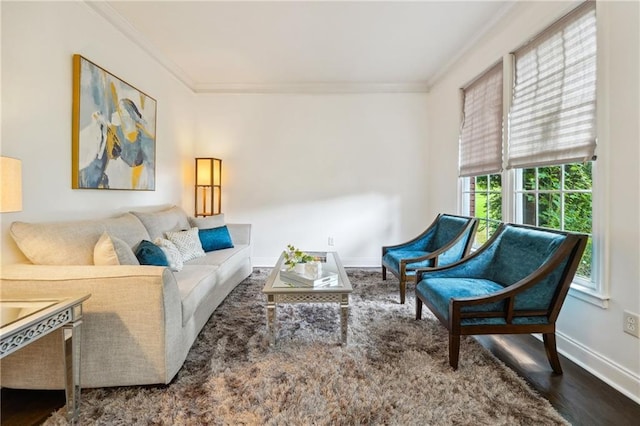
384, 273
418, 308
454, 350
403, 290
552, 351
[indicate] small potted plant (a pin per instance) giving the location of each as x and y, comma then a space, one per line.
294, 257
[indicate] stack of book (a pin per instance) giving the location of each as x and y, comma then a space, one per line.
324, 279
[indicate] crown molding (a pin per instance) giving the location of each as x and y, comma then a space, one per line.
105, 10
488, 26
312, 88
120, 23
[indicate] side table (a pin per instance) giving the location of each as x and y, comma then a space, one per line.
25, 320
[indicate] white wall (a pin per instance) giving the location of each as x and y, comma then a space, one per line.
590, 335
38, 41
302, 168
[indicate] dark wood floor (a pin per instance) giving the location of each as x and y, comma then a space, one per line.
579, 396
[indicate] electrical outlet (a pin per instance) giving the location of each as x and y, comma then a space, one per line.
631, 323
330, 241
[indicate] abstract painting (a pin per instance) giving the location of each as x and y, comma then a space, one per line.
113, 132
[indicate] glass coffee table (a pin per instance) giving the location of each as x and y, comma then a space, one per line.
281, 291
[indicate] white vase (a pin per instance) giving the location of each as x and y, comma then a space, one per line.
299, 268
313, 269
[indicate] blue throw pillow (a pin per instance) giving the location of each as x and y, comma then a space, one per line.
150, 254
215, 238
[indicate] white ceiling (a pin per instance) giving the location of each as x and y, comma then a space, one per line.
215, 46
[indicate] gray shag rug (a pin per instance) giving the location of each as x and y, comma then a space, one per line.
394, 371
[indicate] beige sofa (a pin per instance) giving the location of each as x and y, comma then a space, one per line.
140, 321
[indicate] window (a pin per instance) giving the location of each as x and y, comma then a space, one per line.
549, 147
558, 197
482, 198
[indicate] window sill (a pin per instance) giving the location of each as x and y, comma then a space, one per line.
589, 295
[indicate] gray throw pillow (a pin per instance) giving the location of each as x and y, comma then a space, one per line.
207, 222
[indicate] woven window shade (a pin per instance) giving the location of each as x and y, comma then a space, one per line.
553, 111
481, 130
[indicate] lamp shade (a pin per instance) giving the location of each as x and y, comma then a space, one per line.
208, 171
11, 185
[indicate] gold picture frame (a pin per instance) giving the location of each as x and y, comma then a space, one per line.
113, 131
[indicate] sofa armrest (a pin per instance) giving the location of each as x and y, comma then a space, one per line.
114, 289
240, 233
133, 314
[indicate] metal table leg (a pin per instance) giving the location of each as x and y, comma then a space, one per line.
344, 317
71, 336
271, 319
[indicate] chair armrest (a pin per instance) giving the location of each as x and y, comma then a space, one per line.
437, 253
406, 261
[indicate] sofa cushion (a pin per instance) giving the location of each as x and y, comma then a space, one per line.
113, 251
73, 243
220, 257
150, 254
195, 283
188, 243
215, 238
207, 222
174, 258
159, 222
207, 276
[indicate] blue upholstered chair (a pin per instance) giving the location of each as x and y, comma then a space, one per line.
445, 241
515, 283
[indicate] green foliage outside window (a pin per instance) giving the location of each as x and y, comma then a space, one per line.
487, 192
559, 197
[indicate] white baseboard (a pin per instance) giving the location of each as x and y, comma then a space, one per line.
361, 262
616, 376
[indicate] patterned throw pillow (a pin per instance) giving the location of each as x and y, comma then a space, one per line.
171, 251
188, 243
113, 251
150, 254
